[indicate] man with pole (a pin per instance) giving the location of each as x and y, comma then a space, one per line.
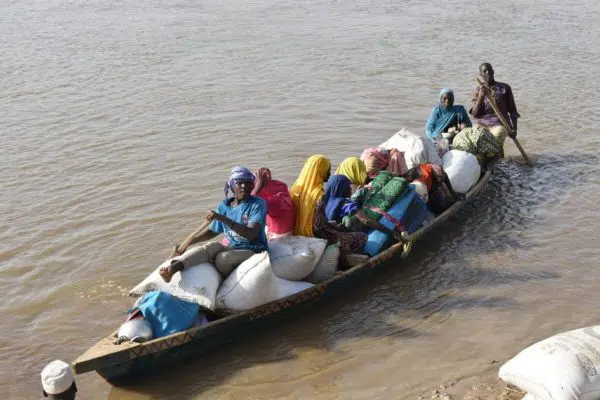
493, 106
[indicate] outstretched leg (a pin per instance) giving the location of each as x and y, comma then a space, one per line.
167, 272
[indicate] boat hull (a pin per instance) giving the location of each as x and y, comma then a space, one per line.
127, 362
202, 341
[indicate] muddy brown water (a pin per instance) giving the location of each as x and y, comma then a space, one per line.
120, 122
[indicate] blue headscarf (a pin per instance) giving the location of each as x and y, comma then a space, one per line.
336, 188
238, 174
440, 117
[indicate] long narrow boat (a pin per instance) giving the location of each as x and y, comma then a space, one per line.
120, 363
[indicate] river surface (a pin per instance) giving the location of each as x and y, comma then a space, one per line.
120, 121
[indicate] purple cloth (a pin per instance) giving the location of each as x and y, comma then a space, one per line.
505, 101
238, 173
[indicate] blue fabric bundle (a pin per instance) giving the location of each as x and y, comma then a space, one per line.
166, 313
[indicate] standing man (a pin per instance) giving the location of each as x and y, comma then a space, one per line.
58, 382
482, 110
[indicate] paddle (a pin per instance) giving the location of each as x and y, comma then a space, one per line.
492, 101
188, 240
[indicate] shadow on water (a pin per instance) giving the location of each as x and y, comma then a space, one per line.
431, 282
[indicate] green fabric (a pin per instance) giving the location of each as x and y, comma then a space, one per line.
381, 193
480, 142
386, 196
365, 192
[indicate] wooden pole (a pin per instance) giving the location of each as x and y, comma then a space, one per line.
184, 245
504, 123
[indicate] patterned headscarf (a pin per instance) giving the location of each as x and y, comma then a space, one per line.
237, 174
375, 160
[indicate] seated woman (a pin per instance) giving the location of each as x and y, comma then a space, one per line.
307, 191
354, 169
281, 216
446, 118
241, 218
332, 208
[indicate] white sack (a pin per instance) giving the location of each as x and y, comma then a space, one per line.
562, 367
253, 284
327, 265
197, 284
462, 169
417, 149
295, 257
287, 288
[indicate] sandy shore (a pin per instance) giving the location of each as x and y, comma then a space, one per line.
474, 388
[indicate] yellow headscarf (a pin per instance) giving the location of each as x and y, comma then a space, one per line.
354, 169
307, 191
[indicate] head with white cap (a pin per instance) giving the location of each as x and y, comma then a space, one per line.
58, 382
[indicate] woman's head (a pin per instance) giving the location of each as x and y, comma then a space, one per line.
354, 169
317, 167
375, 160
447, 98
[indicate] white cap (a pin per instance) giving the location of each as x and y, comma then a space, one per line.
57, 377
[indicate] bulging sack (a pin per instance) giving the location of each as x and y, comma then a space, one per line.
417, 149
462, 168
196, 284
327, 266
253, 284
295, 257
562, 367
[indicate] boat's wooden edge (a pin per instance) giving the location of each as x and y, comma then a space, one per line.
105, 353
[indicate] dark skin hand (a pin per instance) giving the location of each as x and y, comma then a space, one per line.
242, 191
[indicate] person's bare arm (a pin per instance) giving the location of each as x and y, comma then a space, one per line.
477, 102
512, 110
249, 231
371, 223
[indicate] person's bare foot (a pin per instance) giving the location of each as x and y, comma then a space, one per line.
167, 272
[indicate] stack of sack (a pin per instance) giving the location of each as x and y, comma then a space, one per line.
472, 149
292, 264
562, 367
197, 284
416, 149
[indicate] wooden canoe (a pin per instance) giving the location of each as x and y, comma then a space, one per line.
122, 363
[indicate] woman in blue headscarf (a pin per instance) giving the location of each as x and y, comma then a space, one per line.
446, 117
330, 210
241, 218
